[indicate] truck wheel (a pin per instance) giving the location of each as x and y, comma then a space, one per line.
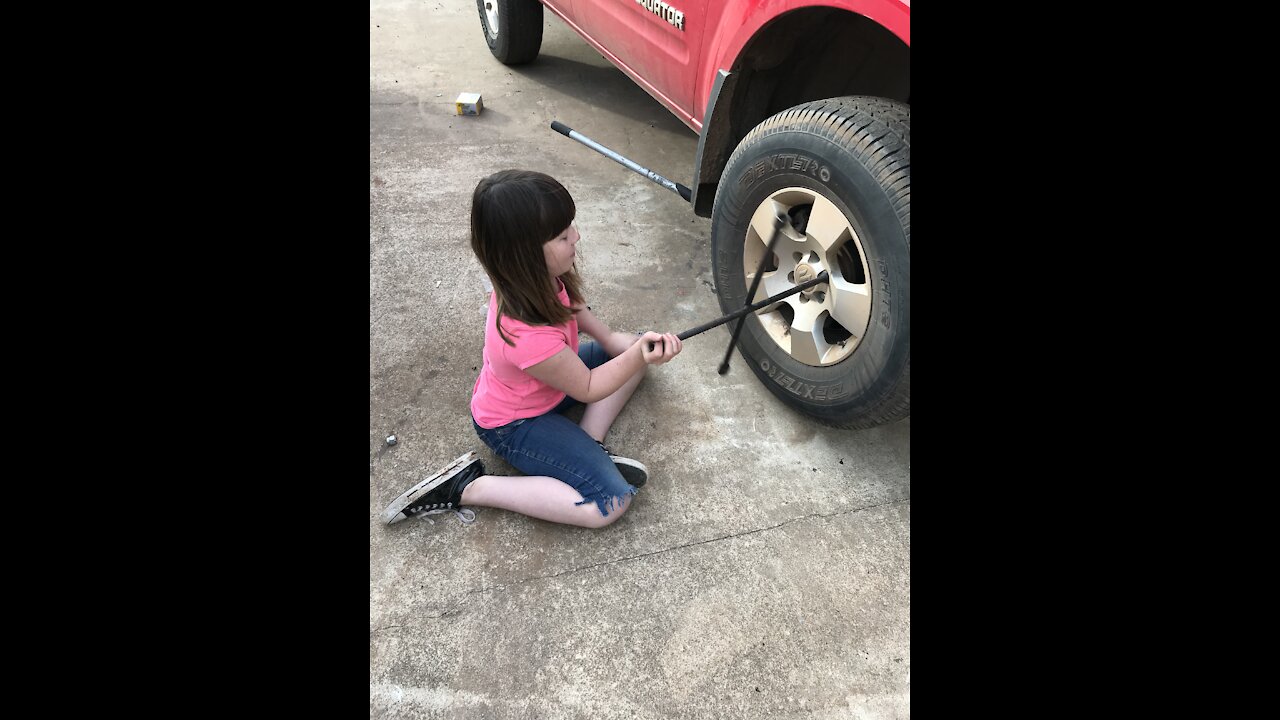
840, 171
513, 29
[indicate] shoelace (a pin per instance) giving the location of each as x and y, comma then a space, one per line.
460, 512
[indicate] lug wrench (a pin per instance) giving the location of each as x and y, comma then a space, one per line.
822, 277
778, 221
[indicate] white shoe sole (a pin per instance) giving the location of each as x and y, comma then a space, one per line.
393, 514
637, 469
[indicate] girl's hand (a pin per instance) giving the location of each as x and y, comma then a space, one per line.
618, 342
664, 347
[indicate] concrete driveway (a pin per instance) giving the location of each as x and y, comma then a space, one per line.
763, 572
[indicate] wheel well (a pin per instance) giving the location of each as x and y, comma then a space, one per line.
806, 54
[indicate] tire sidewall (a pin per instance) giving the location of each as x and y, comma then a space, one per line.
793, 158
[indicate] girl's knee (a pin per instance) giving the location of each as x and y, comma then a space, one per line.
600, 520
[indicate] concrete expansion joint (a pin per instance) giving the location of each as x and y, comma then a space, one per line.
451, 611
499, 588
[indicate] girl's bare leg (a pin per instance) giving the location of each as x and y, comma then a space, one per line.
599, 415
545, 498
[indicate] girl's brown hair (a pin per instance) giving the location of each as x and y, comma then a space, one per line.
513, 213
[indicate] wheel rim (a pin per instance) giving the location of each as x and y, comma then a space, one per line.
491, 14
824, 324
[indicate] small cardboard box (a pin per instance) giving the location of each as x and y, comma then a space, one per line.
469, 104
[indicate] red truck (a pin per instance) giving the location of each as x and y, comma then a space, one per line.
802, 109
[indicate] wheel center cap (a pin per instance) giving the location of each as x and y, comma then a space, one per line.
804, 274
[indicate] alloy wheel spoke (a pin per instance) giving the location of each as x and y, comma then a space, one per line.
762, 221
807, 344
827, 227
850, 305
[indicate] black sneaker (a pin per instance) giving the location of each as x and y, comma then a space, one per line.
439, 493
633, 471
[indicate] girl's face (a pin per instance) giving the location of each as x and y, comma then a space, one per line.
559, 251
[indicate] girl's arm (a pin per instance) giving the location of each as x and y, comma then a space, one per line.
614, 343
566, 372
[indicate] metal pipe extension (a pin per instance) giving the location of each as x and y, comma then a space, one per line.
572, 134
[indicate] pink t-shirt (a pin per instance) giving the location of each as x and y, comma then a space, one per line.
504, 392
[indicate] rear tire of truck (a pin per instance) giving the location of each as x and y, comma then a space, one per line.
840, 171
512, 28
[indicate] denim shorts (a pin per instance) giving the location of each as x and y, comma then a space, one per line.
553, 445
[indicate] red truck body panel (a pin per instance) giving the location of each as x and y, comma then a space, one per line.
678, 67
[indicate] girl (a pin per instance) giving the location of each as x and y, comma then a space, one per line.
522, 232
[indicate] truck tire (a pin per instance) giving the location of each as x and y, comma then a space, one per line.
840, 171
512, 28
